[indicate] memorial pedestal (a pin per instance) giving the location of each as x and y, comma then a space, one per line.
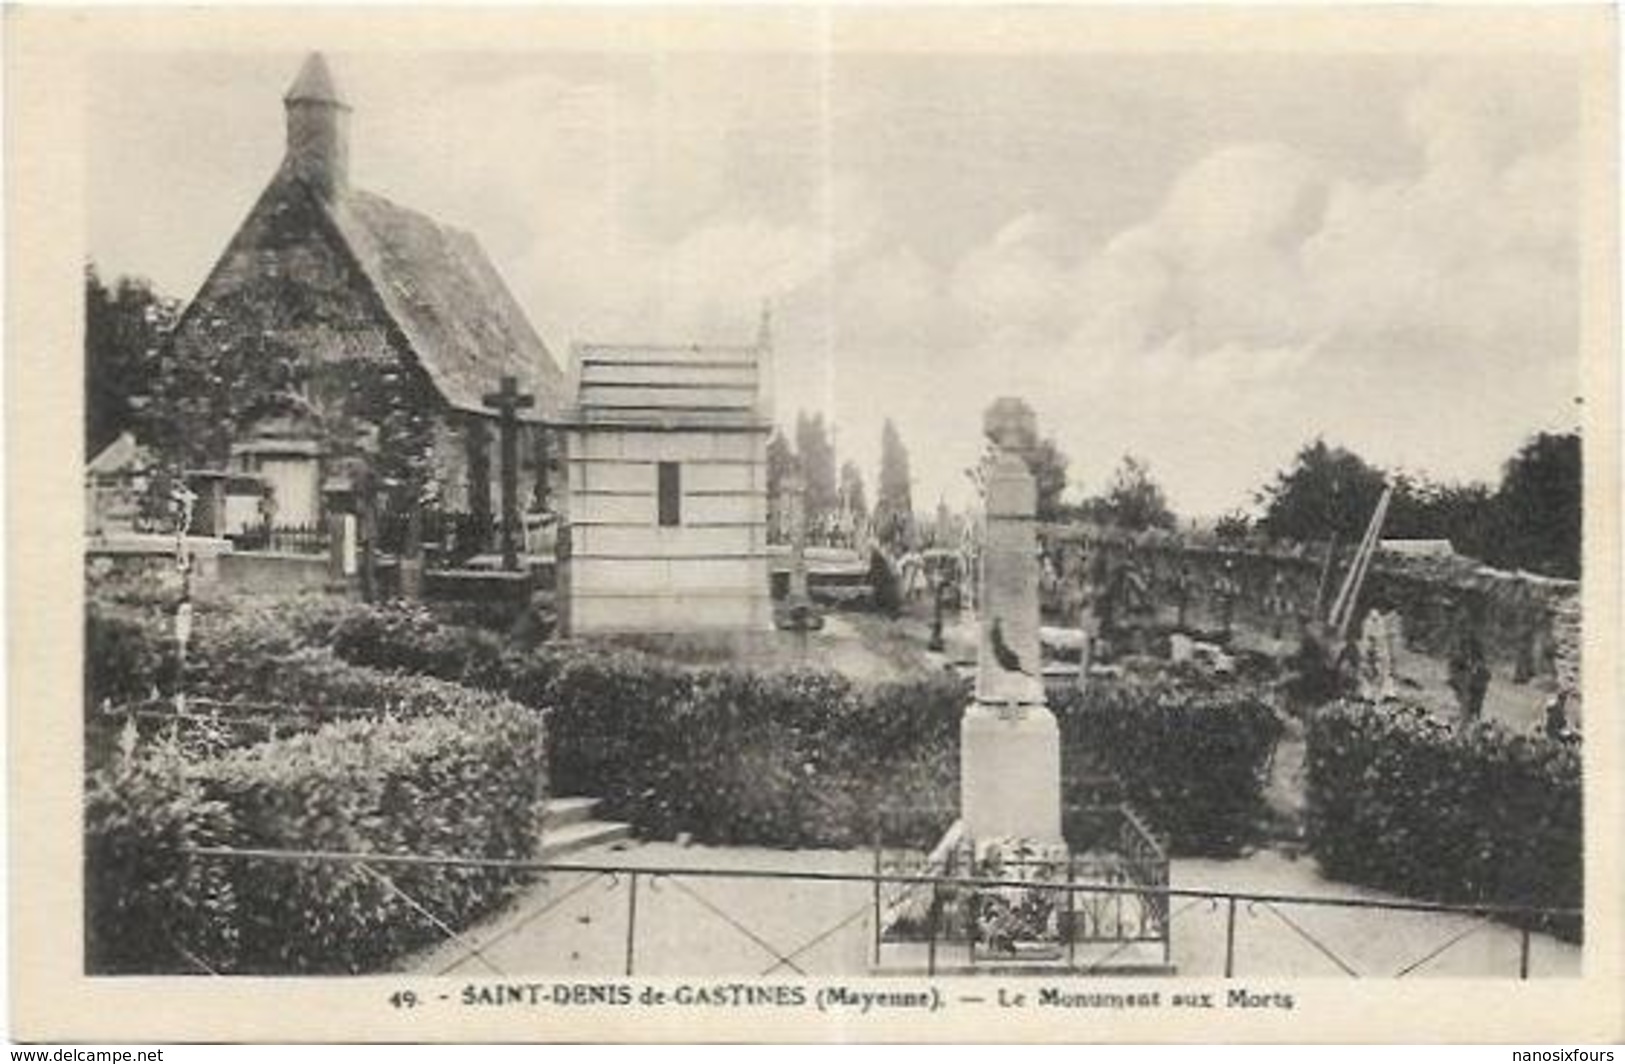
1010, 773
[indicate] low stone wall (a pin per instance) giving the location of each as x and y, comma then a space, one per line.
267, 572
151, 553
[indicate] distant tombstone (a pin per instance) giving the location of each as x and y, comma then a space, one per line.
1376, 658
799, 613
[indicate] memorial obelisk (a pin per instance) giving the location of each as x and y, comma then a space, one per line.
1010, 749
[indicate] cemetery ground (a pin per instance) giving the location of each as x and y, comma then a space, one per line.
345, 726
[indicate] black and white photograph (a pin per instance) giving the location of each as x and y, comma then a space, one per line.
869, 524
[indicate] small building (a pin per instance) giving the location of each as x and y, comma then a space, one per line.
116, 478
358, 332
667, 507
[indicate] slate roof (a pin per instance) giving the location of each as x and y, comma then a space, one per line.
441, 290
669, 386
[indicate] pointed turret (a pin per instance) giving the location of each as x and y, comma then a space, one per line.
318, 129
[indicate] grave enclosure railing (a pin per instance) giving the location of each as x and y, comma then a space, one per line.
283, 539
639, 885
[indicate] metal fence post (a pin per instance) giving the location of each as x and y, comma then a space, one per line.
931, 943
1230, 939
1071, 910
631, 920
877, 895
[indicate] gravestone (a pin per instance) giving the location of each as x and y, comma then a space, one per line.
1010, 753
798, 613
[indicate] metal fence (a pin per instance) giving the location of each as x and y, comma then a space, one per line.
283, 539
659, 919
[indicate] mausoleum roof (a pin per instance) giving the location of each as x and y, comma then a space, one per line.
669, 386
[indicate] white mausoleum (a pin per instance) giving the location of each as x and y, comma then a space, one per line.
667, 506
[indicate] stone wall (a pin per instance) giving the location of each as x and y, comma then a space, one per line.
1528, 623
267, 573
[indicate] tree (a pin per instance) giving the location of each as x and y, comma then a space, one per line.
894, 504
1233, 527
853, 498
126, 327
1048, 466
780, 461
1328, 490
1132, 501
817, 457
1539, 506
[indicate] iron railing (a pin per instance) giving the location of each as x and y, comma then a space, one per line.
930, 956
283, 539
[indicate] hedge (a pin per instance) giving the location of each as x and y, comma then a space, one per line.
1459, 812
794, 758
468, 783
1193, 758
258, 656
146, 904
410, 637
808, 758
130, 648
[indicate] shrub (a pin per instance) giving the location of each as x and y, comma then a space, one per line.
405, 636
1459, 812
146, 905
884, 590
318, 681
741, 757
128, 653
130, 648
1192, 757
467, 783
806, 758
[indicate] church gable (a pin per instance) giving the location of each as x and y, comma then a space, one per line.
285, 317
332, 305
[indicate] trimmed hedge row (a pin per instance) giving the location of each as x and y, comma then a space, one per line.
1404, 801
797, 758
807, 758
1192, 758
257, 656
130, 647
144, 901
467, 783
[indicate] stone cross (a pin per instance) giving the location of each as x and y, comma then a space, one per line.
507, 402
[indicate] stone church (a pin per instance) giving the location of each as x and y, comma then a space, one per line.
364, 335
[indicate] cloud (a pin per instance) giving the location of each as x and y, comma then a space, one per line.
1263, 286
1205, 293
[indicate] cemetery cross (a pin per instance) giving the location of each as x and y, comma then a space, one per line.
507, 402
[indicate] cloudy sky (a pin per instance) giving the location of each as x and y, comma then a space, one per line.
1203, 260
